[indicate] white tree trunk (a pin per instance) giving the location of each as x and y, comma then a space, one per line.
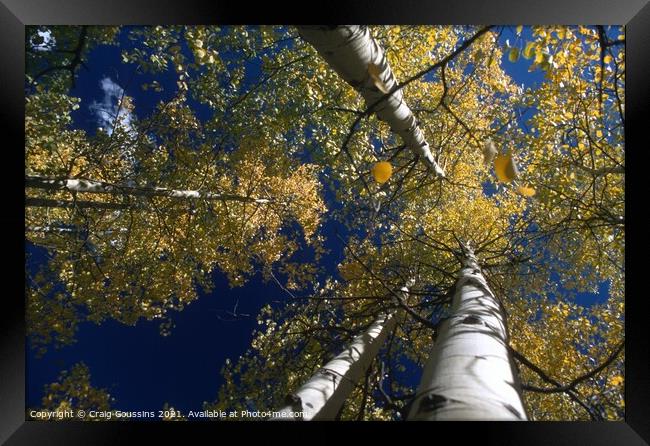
100, 187
323, 395
350, 51
470, 374
69, 230
66, 204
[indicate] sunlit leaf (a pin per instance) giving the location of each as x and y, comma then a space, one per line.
505, 168
529, 50
382, 171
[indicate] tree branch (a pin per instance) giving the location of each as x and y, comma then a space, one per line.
571, 385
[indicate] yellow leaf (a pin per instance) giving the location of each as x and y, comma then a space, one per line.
382, 171
200, 53
374, 71
519, 29
513, 56
599, 133
529, 50
505, 168
526, 191
607, 59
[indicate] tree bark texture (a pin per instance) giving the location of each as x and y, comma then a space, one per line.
351, 51
470, 374
100, 187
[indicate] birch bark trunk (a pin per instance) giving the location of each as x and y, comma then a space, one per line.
100, 187
470, 374
66, 204
69, 230
350, 51
323, 395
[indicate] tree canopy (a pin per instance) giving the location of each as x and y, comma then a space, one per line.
251, 147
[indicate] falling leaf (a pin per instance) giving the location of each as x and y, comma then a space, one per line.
526, 191
513, 56
520, 29
489, 151
529, 50
374, 71
505, 168
382, 171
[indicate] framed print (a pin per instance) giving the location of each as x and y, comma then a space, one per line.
247, 218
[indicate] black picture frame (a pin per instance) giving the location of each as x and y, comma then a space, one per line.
15, 14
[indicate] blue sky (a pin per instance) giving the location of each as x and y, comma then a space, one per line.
141, 369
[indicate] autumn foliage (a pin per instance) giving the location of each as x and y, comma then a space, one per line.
534, 180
